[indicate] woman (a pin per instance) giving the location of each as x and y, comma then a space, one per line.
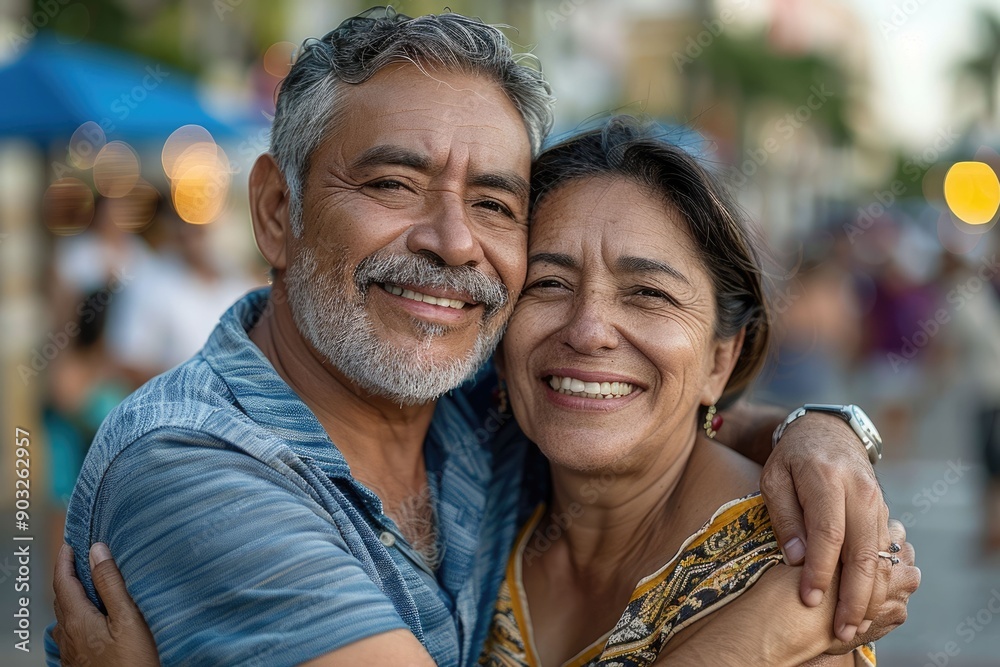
643, 310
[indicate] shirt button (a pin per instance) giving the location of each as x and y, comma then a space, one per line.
387, 538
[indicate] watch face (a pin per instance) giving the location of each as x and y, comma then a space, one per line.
866, 425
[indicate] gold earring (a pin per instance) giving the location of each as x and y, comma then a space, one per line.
713, 421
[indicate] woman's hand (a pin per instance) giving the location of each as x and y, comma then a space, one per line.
827, 509
86, 636
769, 624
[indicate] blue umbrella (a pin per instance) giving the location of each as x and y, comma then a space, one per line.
53, 88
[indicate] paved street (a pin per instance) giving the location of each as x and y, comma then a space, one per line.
946, 514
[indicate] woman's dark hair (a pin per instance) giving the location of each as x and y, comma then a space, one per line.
629, 148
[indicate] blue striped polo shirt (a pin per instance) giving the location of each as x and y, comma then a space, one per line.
245, 540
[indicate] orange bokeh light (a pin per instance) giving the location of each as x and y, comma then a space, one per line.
278, 59
179, 142
134, 211
200, 185
116, 169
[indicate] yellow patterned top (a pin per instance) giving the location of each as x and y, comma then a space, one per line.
711, 568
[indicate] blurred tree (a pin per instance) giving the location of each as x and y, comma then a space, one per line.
181, 34
746, 71
982, 69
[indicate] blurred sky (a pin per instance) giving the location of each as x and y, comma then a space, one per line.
913, 63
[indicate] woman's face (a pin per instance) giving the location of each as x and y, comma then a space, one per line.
611, 347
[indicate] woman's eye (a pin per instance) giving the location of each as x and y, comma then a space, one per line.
653, 293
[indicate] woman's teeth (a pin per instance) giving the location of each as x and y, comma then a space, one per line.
574, 387
426, 298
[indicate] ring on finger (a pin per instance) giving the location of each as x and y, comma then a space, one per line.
894, 548
888, 556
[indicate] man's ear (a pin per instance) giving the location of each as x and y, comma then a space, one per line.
724, 358
269, 204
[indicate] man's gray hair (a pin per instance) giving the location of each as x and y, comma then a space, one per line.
361, 46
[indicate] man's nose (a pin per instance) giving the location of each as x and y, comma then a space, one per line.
591, 326
447, 231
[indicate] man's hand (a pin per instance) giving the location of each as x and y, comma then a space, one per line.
86, 636
902, 580
827, 508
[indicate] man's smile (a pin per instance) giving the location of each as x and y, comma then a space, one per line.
424, 296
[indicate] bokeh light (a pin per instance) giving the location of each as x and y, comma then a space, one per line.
68, 206
134, 211
278, 59
972, 192
200, 185
180, 141
116, 169
86, 142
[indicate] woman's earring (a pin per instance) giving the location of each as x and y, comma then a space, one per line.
713, 422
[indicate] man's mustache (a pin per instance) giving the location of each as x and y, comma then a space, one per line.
420, 271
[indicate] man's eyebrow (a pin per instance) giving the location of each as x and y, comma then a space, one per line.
506, 181
391, 155
630, 264
559, 259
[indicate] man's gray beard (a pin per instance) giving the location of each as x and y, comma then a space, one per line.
330, 314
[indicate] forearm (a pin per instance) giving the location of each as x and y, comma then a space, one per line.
747, 428
768, 622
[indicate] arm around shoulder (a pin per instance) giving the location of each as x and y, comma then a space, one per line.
229, 560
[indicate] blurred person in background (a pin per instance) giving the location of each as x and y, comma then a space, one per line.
817, 333
83, 387
90, 271
904, 295
174, 299
973, 303
88, 262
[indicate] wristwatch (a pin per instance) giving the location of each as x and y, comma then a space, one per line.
852, 414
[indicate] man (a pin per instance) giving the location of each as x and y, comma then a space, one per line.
296, 492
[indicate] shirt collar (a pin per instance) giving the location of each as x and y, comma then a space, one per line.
260, 392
